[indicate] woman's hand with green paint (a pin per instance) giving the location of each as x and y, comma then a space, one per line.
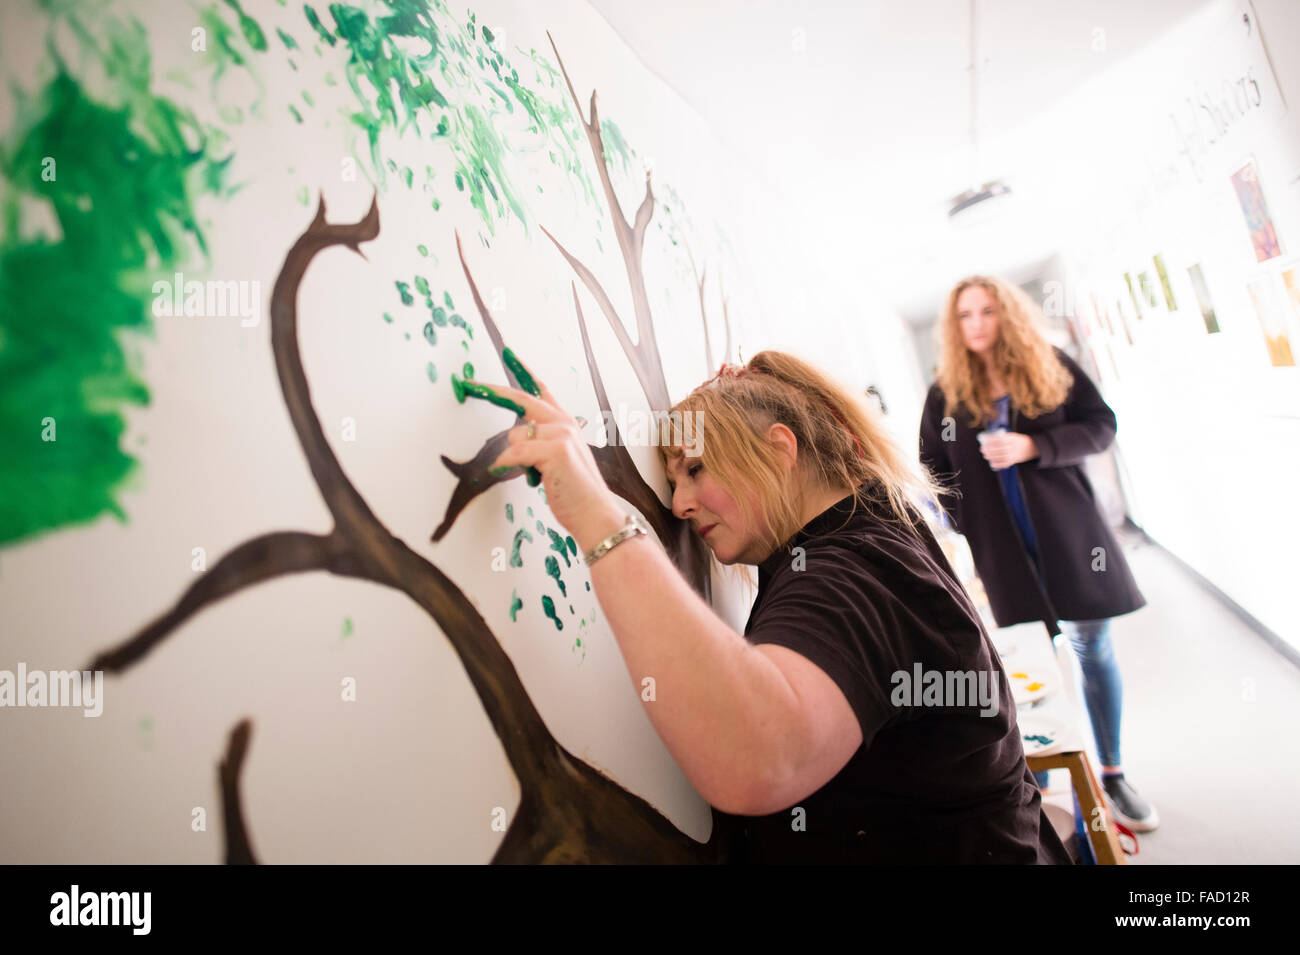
575, 490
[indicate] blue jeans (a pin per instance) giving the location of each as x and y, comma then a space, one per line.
1102, 686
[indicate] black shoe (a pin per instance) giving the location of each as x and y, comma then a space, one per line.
1129, 808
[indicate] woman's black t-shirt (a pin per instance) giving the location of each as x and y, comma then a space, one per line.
876, 605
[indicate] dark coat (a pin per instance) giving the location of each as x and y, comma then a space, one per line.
1072, 579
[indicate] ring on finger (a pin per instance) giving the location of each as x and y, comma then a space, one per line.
531, 431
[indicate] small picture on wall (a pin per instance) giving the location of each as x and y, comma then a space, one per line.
1123, 321
1148, 289
1202, 291
1165, 287
1132, 293
1270, 308
1291, 279
1260, 224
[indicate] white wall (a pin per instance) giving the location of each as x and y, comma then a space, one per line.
1209, 430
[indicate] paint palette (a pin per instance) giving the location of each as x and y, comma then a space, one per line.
1040, 734
1029, 686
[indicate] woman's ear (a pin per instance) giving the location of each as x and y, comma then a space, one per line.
786, 444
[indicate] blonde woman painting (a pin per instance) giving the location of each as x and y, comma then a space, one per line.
797, 725
1007, 425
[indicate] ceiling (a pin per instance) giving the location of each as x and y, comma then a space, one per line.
860, 113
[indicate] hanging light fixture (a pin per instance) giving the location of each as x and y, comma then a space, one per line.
980, 203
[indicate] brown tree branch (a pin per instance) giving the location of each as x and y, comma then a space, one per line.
239, 851
252, 562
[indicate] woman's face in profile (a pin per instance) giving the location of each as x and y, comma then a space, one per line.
977, 317
713, 512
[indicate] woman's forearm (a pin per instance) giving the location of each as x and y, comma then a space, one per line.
724, 710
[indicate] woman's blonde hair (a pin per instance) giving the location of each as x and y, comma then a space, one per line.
839, 443
1023, 358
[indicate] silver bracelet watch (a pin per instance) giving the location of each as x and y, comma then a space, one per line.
633, 524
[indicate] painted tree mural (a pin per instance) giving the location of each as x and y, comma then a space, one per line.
569, 811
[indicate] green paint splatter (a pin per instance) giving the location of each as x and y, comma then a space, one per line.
510, 512
423, 250
303, 196
530, 512
404, 290
439, 317
553, 570
521, 535
124, 195
347, 629
407, 176
430, 335
548, 605
431, 370
388, 318
306, 98
573, 545
297, 116
399, 62
541, 528
467, 370
588, 584
252, 31
457, 322
515, 604
446, 297
319, 27
616, 146
289, 42
557, 545
422, 285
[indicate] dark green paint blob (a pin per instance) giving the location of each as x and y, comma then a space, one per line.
467, 370
439, 317
553, 571
515, 604
430, 335
319, 27
588, 584
404, 290
573, 545
557, 545
407, 176
521, 535
510, 512
572, 611
548, 605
